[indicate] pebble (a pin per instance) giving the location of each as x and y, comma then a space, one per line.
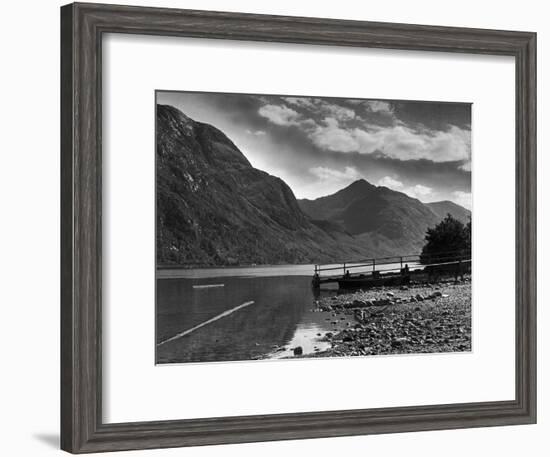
434, 326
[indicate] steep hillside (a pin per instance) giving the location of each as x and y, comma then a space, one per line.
214, 208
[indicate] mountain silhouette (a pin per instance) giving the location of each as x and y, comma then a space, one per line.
215, 208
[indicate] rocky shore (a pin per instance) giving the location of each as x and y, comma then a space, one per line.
423, 318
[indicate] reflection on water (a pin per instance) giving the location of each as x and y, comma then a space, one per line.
281, 317
307, 336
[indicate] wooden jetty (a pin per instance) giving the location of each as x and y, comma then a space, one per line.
392, 271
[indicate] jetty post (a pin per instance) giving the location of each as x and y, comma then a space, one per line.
316, 280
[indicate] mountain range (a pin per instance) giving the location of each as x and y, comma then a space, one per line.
215, 208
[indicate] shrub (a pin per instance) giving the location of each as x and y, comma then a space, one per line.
448, 240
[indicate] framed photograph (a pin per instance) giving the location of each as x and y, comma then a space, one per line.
283, 227
325, 275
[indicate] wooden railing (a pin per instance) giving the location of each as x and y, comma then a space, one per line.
412, 261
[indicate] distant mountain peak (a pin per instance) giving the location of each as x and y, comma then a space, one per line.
444, 207
444, 202
361, 183
392, 218
356, 188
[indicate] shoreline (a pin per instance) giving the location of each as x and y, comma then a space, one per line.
419, 318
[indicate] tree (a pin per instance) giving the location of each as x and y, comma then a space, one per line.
448, 240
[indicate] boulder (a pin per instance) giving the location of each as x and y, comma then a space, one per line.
358, 304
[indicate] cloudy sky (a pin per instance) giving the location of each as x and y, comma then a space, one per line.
320, 145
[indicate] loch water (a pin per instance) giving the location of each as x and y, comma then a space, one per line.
278, 315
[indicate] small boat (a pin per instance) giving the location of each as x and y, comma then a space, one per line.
377, 280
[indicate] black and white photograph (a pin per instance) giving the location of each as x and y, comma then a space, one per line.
293, 227
245, 229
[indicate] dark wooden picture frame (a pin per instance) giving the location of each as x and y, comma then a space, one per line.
82, 29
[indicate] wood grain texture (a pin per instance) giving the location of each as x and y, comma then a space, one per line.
82, 28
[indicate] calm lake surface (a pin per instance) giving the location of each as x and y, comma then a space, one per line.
280, 318
224, 314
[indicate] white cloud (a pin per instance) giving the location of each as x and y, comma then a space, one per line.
317, 106
374, 106
419, 191
328, 181
339, 112
308, 124
402, 143
304, 102
388, 181
349, 173
279, 114
463, 199
333, 138
255, 132
377, 106
397, 142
